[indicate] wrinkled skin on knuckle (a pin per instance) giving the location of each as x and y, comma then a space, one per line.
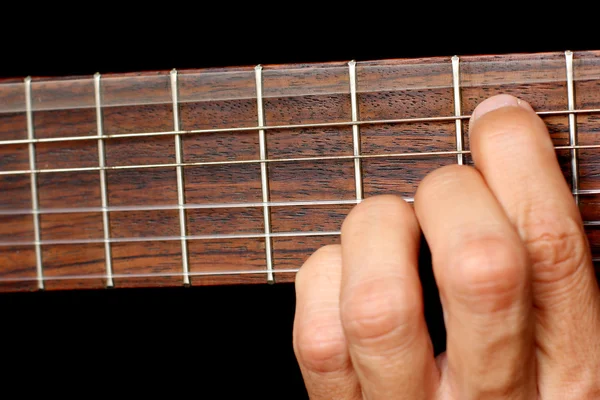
507, 383
320, 345
377, 311
318, 341
487, 274
557, 247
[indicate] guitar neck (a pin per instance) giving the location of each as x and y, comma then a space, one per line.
236, 175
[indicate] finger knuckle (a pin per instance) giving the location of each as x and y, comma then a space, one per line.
557, 247
377, 310
489, 273
320, 345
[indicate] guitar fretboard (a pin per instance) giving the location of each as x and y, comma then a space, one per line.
237, 175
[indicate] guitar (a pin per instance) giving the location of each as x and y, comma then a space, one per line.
402, 134
236, 175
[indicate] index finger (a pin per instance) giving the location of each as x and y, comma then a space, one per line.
512, 149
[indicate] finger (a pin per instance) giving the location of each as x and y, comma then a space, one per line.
319, 342
381, 301
512, 149
481, 268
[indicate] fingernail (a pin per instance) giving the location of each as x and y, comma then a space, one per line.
496, 102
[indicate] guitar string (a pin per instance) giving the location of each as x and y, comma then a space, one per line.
275, 127
198, 274
269, 160
176, 132
191, 206
216, 236
213, 273
67, 210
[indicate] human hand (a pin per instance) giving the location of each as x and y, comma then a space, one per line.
514, 270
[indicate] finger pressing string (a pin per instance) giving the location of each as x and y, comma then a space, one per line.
381, 302
504, 131
483, 275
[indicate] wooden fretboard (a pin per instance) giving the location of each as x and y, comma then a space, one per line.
237, 175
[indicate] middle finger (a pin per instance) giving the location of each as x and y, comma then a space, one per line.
481, 268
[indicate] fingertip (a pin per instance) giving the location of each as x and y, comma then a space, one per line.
437, 181
376, 208
326, 261
496, 102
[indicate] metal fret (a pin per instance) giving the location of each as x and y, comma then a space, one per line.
457, 108
264, 178
103, 186
572, 125
34, 192
355, 132
273, 127
180, 182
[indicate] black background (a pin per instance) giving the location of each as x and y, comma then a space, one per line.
216, 342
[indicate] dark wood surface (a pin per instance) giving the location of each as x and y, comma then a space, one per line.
300, 94
234, 341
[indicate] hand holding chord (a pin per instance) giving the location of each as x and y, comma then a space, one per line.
512, 263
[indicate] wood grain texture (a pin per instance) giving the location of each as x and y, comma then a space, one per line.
146, 250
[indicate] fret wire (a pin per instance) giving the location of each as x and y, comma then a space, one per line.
103, 186
34, 191
159, 275
457, 108
272, 160
572, 125
264, 178
355, 131
180, 182
278, 127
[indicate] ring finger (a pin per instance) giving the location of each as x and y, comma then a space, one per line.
512, 149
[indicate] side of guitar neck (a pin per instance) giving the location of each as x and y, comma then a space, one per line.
237, 175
